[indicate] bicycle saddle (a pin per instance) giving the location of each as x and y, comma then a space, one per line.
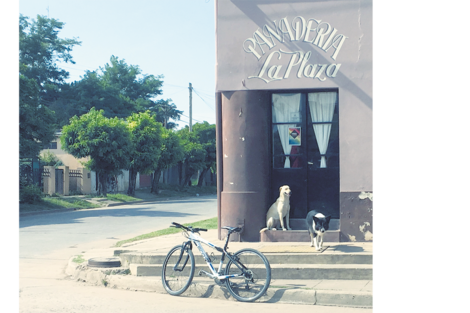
233, 229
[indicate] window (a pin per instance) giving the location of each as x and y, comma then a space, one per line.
287, 130
305, 130
51, 146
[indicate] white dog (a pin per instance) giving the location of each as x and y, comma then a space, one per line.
279, 210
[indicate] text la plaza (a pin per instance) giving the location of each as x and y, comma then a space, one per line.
326, 38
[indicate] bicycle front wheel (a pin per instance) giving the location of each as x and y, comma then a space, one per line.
178, 270
253, 281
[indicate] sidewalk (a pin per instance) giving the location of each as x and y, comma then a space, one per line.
339, 292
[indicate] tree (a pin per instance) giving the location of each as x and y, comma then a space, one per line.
171, 153
40, 49
36, 120
117, 88
194, 155
146, 138
107, 141
205, 133
166, 110
48, 158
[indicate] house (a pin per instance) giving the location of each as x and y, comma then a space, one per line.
294, 107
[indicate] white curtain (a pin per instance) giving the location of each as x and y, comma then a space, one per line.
286, 108
322, 108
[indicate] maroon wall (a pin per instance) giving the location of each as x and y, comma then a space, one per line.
244, 148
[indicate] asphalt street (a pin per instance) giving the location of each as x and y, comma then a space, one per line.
45, 233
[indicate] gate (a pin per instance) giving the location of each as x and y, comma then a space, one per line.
59, 181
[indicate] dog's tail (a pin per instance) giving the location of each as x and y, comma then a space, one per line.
264, 229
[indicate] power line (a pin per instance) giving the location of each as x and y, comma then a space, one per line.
203, 100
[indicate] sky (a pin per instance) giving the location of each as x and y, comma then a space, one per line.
175, 39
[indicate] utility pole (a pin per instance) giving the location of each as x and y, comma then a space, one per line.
190, 107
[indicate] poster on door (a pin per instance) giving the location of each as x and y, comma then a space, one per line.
294, 136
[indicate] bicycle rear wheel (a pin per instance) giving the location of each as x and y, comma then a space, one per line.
177, 276
255, 282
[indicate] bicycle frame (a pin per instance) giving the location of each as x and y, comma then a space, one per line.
197, 240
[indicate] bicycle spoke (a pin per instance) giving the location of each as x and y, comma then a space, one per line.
253, 282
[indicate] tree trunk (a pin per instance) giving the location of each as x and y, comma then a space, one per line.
103, 184
181, 173
156, 179
200, 180
132, 182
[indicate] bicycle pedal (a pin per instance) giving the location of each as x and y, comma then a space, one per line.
200, 273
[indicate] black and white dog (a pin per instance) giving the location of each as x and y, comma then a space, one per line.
317, 224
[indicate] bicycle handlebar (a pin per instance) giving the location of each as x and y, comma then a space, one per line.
188, 228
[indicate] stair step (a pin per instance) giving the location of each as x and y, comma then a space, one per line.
283, 271
296, 236
301, 224
273, 258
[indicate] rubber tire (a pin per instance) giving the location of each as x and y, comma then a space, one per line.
104, 262
268, 275
176, 251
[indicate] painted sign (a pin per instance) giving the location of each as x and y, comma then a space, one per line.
311, 32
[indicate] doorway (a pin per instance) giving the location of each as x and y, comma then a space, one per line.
305, 150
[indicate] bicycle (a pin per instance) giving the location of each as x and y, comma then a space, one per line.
247, 274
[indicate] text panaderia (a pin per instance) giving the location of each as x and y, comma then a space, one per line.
315, 32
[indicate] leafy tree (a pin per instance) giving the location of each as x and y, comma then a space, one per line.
194, 155
117, 88
171, 153
205, 133
40, 49
107, 141
36, 120
146, 141
50, 159
166, 110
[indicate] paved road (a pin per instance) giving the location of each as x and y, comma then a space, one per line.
45, 233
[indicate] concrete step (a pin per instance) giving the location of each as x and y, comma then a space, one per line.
282, 271
296, 236
301, 224
274, 258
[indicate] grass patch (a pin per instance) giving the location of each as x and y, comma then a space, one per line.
166, 191
208, 224
78, 259
55, 203
121, 197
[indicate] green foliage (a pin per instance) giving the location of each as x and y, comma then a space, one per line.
194, 154
172, 151
166, 110
36, 120
40, 49
50, 159
206, 135
107, 141
117, 88
199, 150
30, 194
145, 134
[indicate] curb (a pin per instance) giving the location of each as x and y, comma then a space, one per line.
119, 278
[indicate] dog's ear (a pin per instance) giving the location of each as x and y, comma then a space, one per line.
328, 218
280, 188
315, 219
